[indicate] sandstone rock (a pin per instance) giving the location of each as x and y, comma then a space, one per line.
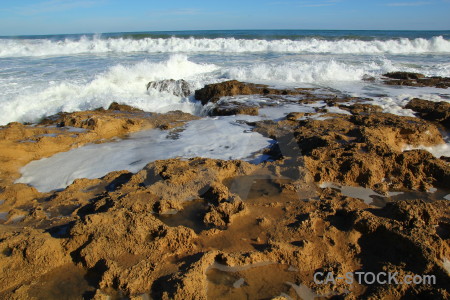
122, 107
230, 109
364, 150
213, 92
362, 108
28, 254
432, 111
221, 215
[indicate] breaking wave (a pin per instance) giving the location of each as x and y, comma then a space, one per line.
98, 45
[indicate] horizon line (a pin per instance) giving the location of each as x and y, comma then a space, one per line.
205, 30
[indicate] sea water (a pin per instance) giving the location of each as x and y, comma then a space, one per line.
43, 75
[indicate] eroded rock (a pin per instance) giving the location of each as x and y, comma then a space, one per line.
404, 75
416, 79
27, 254
365, 150
432, 111
230, 109
213, 92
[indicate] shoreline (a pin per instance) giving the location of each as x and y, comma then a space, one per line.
195, 227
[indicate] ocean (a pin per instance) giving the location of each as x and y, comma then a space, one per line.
44, 75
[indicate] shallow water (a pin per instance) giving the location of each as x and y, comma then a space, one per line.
370, 197
264, 280
190, 216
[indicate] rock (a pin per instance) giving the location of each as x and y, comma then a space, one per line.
445, 158
179, 87
234, 108
404, 75
432, 111
122, 107
213, 92
365, 150
112, 230
416, 79
27, 255
221, 215
362, 108
368, 78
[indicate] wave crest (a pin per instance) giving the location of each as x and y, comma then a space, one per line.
97, 45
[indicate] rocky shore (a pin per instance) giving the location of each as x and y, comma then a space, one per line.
204, 228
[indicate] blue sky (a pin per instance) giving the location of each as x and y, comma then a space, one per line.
97, 16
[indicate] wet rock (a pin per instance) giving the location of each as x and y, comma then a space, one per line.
365, 150
404, 75
416, 79
166, 207
221, 215
412, 213
432, 111
187, 283
179, 181
445, 158
368, 78
178, 88
294, 116
407, 225
362, 108
234, 108
28, 254
122, 107
213, 92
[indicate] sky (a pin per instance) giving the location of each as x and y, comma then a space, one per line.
34, 17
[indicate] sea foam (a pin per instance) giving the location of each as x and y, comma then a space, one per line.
121, 83
218, 138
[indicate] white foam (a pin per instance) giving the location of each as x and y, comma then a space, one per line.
392, 99
278, 112
305, 71
219, 138
96, 45
437, 151
122, 83
126, 83
238, 283
337, 110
